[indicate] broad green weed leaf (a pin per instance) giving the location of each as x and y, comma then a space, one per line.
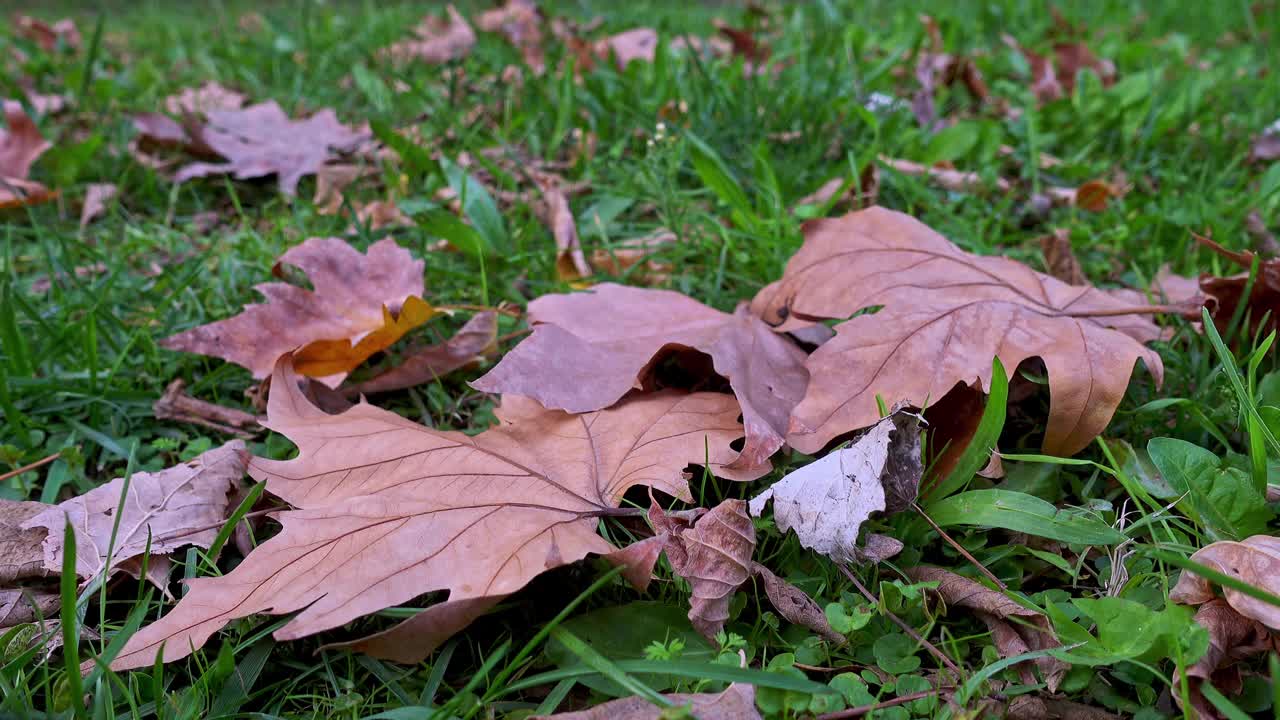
1023, 513
1221, 498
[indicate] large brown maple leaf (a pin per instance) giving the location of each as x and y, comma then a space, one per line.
589, 349
944, 315
262, 140
361, 304
389, 510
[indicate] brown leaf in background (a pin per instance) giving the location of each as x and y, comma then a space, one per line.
1255, 560
1014, 629
857, 196
48, 36
621, 258
178, 506
713, 554
389, 510
936, 68
1232, 638
203, 100
589, 349
794, 605
20, 144
737, 702
954, 180
628, 46
361, 305
1059, 259
1054, 77
332, 180
1173, 289
379, 215
261, 140
436, 41
571, 263
21, 549
944, 314
19, 606
1265, 147
1225, 294
520, 22
468, 347
1261, 238
96, 197
827, 501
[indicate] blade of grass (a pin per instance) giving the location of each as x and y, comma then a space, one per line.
70, 622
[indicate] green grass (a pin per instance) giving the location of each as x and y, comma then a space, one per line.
81, 365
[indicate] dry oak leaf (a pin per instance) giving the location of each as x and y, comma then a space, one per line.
1255, 560
388, 510
21, 550
20, 144
1014, 629
827, 501
1232, 638
711, 550
181, 505
1224, 294
737, 702
472, 342
261, 140
589, 349
437, 41
713, 554
361, 305
944, 314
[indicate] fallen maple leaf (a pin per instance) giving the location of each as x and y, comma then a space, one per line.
436, 41
476, 339
736, 702
19, 606
589, 349
162, 511
332, 180
261, 140
389, 510
827, 501
96, 197
944, 315
1255, 560
361, 305
20, 144
1015, 629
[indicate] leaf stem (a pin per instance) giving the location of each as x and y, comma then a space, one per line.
25, 468
972, 560
910, 631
